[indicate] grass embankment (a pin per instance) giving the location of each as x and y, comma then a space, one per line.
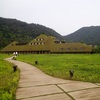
8, 79
86, 66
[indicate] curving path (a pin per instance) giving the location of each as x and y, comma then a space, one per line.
35, 85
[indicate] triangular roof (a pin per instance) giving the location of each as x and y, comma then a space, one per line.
44, 42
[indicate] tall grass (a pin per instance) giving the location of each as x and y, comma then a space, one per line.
8, 79
86, 66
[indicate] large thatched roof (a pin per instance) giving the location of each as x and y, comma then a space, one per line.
47, 43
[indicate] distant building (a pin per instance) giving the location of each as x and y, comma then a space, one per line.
44, 44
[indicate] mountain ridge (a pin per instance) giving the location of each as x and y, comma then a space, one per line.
89, 35
16, 30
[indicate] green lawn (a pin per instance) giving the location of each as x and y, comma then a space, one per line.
86, 66
8, 79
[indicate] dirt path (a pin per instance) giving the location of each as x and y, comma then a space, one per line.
35, 85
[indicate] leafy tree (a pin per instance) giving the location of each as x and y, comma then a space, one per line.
96, 49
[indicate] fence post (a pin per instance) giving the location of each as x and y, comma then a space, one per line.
14, 68
71, 72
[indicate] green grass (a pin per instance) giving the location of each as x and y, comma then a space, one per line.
8, 79
86, 66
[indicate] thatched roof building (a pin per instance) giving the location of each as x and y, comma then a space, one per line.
47, 44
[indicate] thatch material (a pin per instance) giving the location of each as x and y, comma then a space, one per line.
47, 44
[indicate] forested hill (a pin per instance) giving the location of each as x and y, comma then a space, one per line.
89, 35
15, 30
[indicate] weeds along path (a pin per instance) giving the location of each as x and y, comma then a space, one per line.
35, 85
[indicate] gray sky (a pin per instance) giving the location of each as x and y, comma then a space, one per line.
64, 16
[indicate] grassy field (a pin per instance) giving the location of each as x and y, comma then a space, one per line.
8, 79
86, 66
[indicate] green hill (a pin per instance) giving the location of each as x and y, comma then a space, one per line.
15, 30
89, 35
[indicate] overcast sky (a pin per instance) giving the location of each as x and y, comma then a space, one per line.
64, 16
